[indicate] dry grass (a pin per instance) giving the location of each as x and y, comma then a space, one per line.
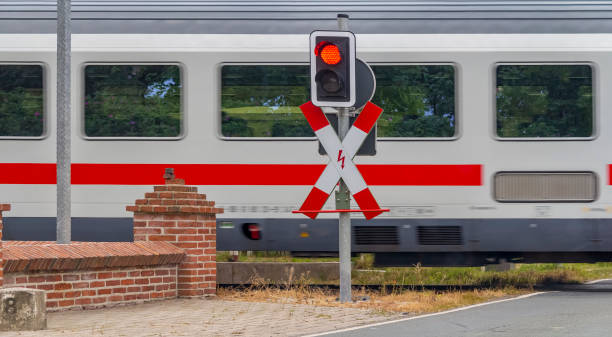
410, 302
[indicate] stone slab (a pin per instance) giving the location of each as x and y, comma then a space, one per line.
22, 309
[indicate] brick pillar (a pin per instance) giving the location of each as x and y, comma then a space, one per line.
179, 214
3, 207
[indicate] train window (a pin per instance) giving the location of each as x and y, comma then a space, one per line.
418, 100
131, 100
264, 100
544, 100
21, 101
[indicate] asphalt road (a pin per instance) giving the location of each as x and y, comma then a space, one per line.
582, 311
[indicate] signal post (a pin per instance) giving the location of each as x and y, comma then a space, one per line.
333, 84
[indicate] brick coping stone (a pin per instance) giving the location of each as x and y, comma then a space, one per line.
38, 256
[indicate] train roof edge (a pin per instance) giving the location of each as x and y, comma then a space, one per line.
287, 17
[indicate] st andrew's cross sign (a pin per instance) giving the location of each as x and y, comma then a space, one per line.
341, 165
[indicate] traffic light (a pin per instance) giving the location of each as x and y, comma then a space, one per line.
332, 68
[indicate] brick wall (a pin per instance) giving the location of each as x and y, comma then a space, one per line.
177, 214
174, 255
100, 288
3, 208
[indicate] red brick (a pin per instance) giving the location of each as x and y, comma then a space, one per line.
155, 280
53, 278
189, 279
162, 272
36, 279
89, 293
80, 285
52, 304
142, 281
161, 223
98, 300
193, 265
170, 294
22, 279
169, 279
54, 295
147, 273
116, 298
140, 223
119, 290
44, 286
194, 251
162, 237
143, 296
186, 230
91, 276
127, 282
63, 286
97, 284
148, 288
197, 238
161, 287
66, 303
142, 231
134, 273
83, 301
190, 292
185, 245
189, 224
104, 291
133, 289
113, 283
105, 275
157, 295
119, 274
132, 297
70, 294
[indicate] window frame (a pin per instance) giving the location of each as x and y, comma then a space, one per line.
183, 125
595, 93
45, 101
219, 122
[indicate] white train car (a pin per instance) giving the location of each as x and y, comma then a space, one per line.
493, 143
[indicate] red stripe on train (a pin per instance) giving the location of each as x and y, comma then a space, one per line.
240, 174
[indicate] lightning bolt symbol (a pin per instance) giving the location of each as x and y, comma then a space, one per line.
341, 158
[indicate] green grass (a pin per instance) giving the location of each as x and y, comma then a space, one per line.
524, 275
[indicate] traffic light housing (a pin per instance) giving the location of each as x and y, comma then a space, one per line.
332, 68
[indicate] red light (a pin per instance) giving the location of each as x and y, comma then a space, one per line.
255, 232
330, 54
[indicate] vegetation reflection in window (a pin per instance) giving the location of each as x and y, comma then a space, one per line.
21, 101
132, 101
544, 101
264, 100
417, 100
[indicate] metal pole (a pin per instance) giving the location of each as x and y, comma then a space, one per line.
63, 229
343, 201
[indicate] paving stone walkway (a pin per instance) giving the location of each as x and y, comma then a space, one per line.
203, 317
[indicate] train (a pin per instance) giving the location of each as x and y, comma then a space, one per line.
492, 146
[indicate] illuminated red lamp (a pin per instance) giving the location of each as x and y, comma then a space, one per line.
329, 53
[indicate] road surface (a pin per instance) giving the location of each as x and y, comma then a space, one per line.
584, 310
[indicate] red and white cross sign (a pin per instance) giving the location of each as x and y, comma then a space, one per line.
341, 159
